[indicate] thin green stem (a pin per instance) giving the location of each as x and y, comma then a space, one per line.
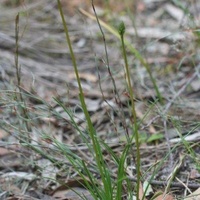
130, 89
22, 108
96, 146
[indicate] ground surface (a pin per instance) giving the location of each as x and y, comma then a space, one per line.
166, 37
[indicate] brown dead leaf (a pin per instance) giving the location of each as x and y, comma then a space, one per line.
141, 192
141, 6
165, 197
194, 174
4, 151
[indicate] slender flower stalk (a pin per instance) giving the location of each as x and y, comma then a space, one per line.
121, 31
